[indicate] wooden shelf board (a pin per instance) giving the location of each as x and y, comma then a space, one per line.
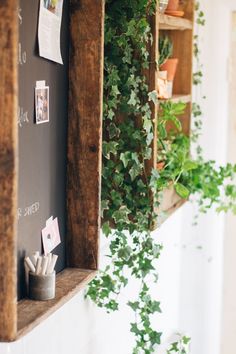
179, 98
69, 282
170, 203
174, 23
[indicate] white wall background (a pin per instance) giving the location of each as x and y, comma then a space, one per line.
191, 267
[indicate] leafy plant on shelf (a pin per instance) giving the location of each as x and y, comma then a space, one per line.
165, 49
127, 189
213, 185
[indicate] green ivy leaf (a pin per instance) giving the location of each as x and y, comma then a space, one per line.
121, 215
113, 131
155, 337
109, 148
147, 125
133, 99
125, 253
104, 206
134, 171
152, 96
181, 190
125, 158
190, 165
186, 340
134, 305
106, 229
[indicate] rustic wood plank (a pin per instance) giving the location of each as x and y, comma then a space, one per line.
8, 169
180, 31
69, 283
179, 98
174, 23
170, 202
85, 132
183, 50
170, 198
151, 76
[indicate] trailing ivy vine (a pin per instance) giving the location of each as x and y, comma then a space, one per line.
128, 191
126, 199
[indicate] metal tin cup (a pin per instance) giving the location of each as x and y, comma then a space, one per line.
42, 287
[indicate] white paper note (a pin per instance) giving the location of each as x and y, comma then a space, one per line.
49, 29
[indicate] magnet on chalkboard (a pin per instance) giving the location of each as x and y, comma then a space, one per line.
41, 102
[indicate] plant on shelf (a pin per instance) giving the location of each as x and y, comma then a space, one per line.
163, 5
213, 185
167, 64
165, 49
128, 192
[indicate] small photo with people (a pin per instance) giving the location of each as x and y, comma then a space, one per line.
42, 104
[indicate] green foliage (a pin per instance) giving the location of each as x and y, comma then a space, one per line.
128, 191
165, 49
180, 346
126, 199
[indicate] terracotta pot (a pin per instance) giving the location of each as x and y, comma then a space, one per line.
160, 165
173, 5
170, 66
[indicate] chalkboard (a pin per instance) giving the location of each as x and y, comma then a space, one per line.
43, 147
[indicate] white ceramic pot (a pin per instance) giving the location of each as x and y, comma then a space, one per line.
163, 5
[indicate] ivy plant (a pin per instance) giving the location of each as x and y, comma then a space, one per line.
128, 190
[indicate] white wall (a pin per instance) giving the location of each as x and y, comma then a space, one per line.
191, 266
229, 288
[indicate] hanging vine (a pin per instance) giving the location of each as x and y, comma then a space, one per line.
127, 190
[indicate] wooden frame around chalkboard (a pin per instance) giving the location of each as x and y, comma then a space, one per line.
84, 163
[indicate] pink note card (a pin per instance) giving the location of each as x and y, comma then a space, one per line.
51, 235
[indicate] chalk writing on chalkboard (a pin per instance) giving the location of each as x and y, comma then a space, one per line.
22, 56
22, 116
28, 211
20, 16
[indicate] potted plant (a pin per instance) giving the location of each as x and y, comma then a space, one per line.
165, 62
173, 5
163, 5
165, 50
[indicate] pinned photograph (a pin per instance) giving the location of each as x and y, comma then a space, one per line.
53, 6
42, 104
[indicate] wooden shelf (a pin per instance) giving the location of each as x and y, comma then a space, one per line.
170, 203
179, 98
69, 282
84, 149
174, 23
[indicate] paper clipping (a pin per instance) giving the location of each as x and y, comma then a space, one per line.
49, 29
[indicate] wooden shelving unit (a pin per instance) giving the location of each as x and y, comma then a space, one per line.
83, 164
180, 31
31, 313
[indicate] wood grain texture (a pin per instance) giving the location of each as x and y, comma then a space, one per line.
8, 167
170, 198
183, 50
85, 132
179, 98
180, 31
151, 76
69, 282
172, 23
